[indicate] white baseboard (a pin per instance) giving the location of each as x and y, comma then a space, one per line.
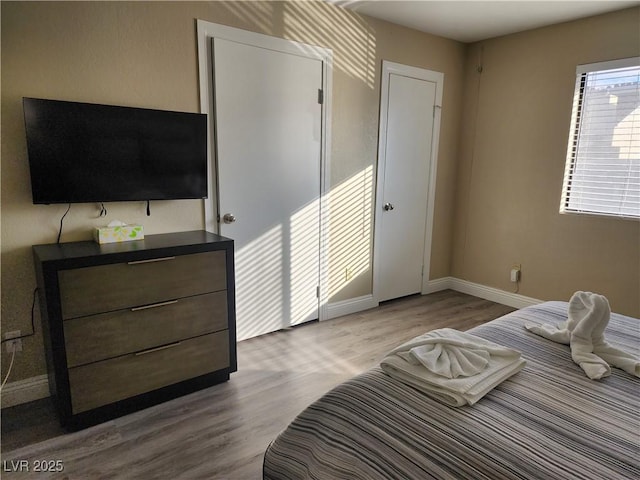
510, 299
353, 305
437, 285
35, 388
24, 391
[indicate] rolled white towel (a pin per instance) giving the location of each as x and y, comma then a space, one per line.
456, 368
618, 358
587, 318
577, 312
589, 313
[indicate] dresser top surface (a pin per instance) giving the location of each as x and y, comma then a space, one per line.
150, 243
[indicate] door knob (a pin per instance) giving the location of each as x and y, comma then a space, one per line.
228, 218
387, 206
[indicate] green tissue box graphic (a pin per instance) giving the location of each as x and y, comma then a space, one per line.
121, 233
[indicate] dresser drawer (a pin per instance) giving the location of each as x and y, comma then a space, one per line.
98, 337
105, 288
116, 379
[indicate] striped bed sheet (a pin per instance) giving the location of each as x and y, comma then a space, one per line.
549, 421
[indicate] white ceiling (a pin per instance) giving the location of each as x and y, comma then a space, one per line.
475, 20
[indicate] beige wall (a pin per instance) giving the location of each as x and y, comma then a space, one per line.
514, 140
500, 164
144, 54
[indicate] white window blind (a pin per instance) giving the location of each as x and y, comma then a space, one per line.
602, 174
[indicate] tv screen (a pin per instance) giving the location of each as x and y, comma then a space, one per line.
82, 152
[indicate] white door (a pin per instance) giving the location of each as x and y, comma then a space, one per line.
405, 166
268, 150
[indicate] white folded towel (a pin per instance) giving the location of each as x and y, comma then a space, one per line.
456, 368
448, 357
587, 318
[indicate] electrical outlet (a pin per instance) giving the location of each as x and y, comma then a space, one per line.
13, 345
515, 273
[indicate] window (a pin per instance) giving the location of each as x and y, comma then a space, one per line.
602, 174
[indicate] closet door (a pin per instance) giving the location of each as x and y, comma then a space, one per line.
268, 152
409, 110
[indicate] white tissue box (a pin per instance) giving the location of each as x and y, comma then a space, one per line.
119, 233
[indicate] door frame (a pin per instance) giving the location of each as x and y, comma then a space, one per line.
206, 32
389, 68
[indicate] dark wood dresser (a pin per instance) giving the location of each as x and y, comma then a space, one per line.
129, 325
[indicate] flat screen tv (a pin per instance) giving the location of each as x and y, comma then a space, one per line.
83, 152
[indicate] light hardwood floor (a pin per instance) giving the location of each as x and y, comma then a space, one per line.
222, 432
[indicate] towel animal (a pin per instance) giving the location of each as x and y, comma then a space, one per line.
456, 368
588, 317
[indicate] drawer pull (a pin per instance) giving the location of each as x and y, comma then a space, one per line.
154, 305
157, 349
138, 262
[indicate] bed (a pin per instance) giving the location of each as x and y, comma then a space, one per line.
548, 421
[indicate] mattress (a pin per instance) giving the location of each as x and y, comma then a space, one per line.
549, 421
